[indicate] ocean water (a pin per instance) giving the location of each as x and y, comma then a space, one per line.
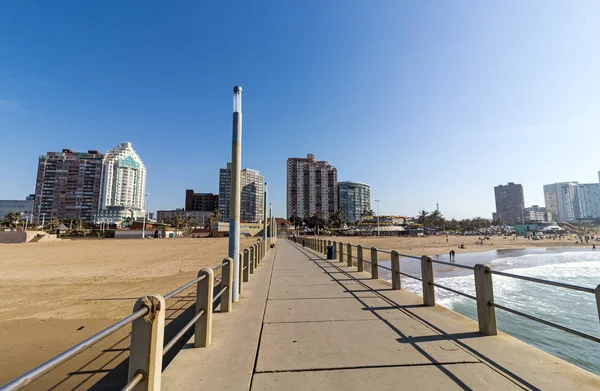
573, 309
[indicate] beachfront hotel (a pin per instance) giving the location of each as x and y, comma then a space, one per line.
205, 202
68, 185
311, 187
123, 185
572, 200
354, 200
252, 189
509, 203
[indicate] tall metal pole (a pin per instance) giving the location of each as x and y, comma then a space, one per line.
144, 224
271, 222
378, 233
236, 171
265, 215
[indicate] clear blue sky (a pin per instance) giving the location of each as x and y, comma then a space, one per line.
427, 101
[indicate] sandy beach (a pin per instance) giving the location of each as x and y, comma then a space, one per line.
434, 245
55, 294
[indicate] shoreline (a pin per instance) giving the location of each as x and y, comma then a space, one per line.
437, 245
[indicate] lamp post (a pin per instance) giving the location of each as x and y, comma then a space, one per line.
265, 215
271, 222
144, 223
236, 168
378, 233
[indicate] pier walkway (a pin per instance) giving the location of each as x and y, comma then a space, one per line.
307, 323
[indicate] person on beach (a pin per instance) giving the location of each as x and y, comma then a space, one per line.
452, 256
593, 247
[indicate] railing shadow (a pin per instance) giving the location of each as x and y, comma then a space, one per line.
442, 335
178, 314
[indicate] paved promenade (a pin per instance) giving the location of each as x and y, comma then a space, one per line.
305, 323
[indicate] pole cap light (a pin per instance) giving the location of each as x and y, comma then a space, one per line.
237, 89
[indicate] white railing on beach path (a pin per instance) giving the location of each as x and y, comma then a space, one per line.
147, 346
484, 288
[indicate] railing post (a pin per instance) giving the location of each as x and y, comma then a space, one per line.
359, 261
334, 244
240, 273
253, 258
396, 283
427, 276
598, 299
261, 253
374, 264
147, 339
349, 255
341, 246
484, 289
226, 280
246, 265
204, 298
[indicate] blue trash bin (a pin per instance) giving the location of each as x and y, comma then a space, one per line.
330, 252
303, 242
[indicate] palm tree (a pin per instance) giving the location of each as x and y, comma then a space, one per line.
336, 220
11, 220
422, 216
436, 218
212, 219
52, 224
188, 225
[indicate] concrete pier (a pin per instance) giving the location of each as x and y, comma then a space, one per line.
306, 323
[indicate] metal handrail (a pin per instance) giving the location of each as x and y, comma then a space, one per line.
184, 287
453, 264
504, 274
133, 382
46, 367
546, 282
453, 290
54, 362
182, 331
410, 276
546, 322
220, 293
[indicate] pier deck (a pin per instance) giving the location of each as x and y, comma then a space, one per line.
308, 323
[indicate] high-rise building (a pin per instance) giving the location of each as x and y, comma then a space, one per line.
311, 187
354, 199
561, 200
206, 202
509, 203
24, 207
68, 185
587, 201
252, 189
536, 214
123, 185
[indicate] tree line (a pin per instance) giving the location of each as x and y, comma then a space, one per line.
430, 219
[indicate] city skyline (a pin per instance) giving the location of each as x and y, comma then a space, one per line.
371, 88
